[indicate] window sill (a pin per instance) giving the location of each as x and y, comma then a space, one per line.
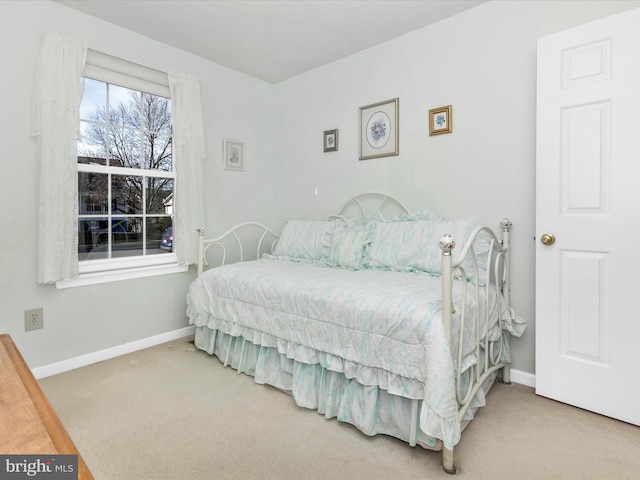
95, 278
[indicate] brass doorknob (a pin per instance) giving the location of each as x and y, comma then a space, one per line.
548, 239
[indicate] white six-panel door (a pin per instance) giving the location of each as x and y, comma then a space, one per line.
588, 201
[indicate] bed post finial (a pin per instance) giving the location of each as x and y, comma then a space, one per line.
506, 224
201, 230
447, 244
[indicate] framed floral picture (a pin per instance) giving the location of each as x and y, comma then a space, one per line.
331, 140
379, 129
233, 155
440, 120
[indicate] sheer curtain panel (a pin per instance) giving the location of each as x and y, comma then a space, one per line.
188, 153
56, 103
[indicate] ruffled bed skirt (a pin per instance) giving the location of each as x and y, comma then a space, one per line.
369, 408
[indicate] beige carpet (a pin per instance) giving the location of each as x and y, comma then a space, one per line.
173, 412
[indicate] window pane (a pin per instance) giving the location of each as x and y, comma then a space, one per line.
159, 235
93, 193
126, 237
156, 113
92, 143
93, 238
159, 195
94, 100
166, 128
156, 122
124, 148
124, 106
157, 152
126, 195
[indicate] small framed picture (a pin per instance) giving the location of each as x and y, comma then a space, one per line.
440, 120
331, 140
379, 129
233, 155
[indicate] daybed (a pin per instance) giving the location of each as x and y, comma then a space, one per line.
366, 316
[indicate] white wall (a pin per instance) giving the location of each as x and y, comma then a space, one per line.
483, 62
83, 320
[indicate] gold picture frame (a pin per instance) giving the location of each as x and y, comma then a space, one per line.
379, 129
440, 120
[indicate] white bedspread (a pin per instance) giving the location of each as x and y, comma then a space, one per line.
382, 328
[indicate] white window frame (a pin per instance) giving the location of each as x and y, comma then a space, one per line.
112, 70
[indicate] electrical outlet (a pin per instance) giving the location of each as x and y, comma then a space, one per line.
33, 319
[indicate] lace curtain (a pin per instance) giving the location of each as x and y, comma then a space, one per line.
56, 103
188, 155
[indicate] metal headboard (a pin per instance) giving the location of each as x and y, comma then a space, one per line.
358, 208
363, 205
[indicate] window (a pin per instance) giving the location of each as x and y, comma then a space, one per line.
125, 174
132, 201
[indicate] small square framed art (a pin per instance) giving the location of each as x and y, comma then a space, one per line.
330, 140
440, 120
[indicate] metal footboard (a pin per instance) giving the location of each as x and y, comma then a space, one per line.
494, 280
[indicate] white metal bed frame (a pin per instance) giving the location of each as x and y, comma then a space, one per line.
489, 352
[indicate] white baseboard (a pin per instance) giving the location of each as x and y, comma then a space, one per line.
99, 356
523, 378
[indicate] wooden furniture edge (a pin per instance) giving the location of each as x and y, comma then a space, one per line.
58, 434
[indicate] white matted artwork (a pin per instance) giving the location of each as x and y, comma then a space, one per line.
233, 155
379, 129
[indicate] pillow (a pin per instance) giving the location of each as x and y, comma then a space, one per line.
414, 245
347, 245
305, 240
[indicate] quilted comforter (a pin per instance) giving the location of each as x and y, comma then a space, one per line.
382, 328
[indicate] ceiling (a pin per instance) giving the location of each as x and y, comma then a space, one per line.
272, 39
